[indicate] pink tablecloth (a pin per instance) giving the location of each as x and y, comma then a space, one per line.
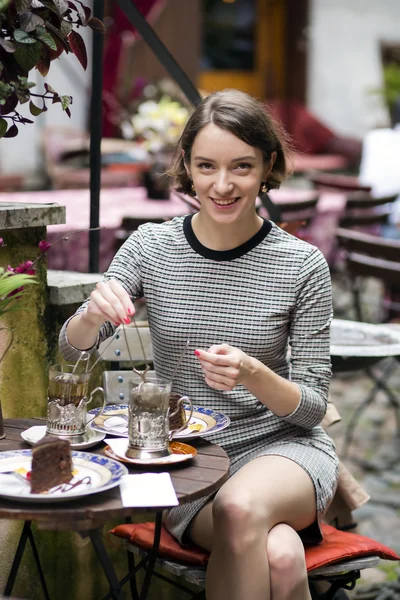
72, 254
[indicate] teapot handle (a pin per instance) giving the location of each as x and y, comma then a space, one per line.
179, 404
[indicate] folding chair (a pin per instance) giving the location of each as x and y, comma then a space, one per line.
337, 561
371, 256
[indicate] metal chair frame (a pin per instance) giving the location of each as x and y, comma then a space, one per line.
340, 576
371, 256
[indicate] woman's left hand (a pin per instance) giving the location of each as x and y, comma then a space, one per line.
224, 366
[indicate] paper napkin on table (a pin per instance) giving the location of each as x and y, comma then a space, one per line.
147, 489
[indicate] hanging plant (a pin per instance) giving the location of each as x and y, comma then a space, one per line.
33, 33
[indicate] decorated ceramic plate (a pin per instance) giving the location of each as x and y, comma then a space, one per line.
114, 421
117, 447
89, 438
91, 474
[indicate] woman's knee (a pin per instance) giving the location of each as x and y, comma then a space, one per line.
238, 521
286, 557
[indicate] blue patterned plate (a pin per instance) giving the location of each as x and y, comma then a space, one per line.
92, 474
114, 421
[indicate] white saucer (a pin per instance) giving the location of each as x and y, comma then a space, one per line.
92, 437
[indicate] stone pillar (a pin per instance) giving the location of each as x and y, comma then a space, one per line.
23, 370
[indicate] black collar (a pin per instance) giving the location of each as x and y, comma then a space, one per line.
224, 254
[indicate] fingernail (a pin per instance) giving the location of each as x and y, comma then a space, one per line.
130, 312
127, 320
197, 353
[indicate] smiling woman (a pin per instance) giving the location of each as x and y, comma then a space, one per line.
241, 290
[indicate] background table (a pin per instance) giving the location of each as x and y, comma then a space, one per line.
117, 203
194, 479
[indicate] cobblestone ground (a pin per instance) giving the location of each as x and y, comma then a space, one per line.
374, 459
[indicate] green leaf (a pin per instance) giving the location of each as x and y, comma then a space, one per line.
22, 5
22, 37
28, 55
25, 83
46, 38
65, 28
57, 6
3, 127
10, 282
11, 132
8, 45
29, 21
35, 110
62, 6
4, 4
5, 89
65, 102
23, 96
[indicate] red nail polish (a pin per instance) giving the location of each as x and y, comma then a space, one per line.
130, 312
197, 353
127, 320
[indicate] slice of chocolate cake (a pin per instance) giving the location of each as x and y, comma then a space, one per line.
51, 464
178, 420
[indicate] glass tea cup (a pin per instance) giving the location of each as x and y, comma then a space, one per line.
149, 434
67, 399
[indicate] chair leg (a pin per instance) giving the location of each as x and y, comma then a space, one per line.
379, 385
152, 557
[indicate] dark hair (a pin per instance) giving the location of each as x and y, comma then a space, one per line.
247, 119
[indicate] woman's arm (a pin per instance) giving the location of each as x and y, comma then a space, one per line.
110, 303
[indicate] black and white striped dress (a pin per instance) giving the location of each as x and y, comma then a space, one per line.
270, 292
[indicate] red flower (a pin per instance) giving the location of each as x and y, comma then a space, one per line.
44, 246
25, 267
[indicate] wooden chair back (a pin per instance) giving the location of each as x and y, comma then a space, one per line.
130, 349
370, 245
116, 385
299, 210
387, 271
340, 183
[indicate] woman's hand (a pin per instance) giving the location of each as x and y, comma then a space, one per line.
224, 366
109, 301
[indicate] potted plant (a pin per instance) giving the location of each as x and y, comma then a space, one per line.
155, 121
390, 90
33, 33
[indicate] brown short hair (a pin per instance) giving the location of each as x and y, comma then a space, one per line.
247, 119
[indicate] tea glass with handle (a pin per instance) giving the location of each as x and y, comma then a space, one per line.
149, 433
67, 401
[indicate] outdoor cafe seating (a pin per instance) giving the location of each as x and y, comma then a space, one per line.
337, 561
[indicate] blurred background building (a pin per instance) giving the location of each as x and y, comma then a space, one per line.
318, 60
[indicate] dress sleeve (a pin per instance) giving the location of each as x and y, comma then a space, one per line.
309, 340
126, 267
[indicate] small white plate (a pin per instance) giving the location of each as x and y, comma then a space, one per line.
116, 448
102, 472
35, 433
113, 420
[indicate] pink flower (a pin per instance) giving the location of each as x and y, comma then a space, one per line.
1, 242
25, 267
44, 246
10, 268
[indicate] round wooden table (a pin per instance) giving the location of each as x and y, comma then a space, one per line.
199, 477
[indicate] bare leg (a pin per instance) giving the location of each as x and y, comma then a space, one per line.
287, 564
266, 492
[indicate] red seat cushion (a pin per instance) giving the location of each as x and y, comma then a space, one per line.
335, 547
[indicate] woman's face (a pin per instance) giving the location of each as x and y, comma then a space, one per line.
226, 174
